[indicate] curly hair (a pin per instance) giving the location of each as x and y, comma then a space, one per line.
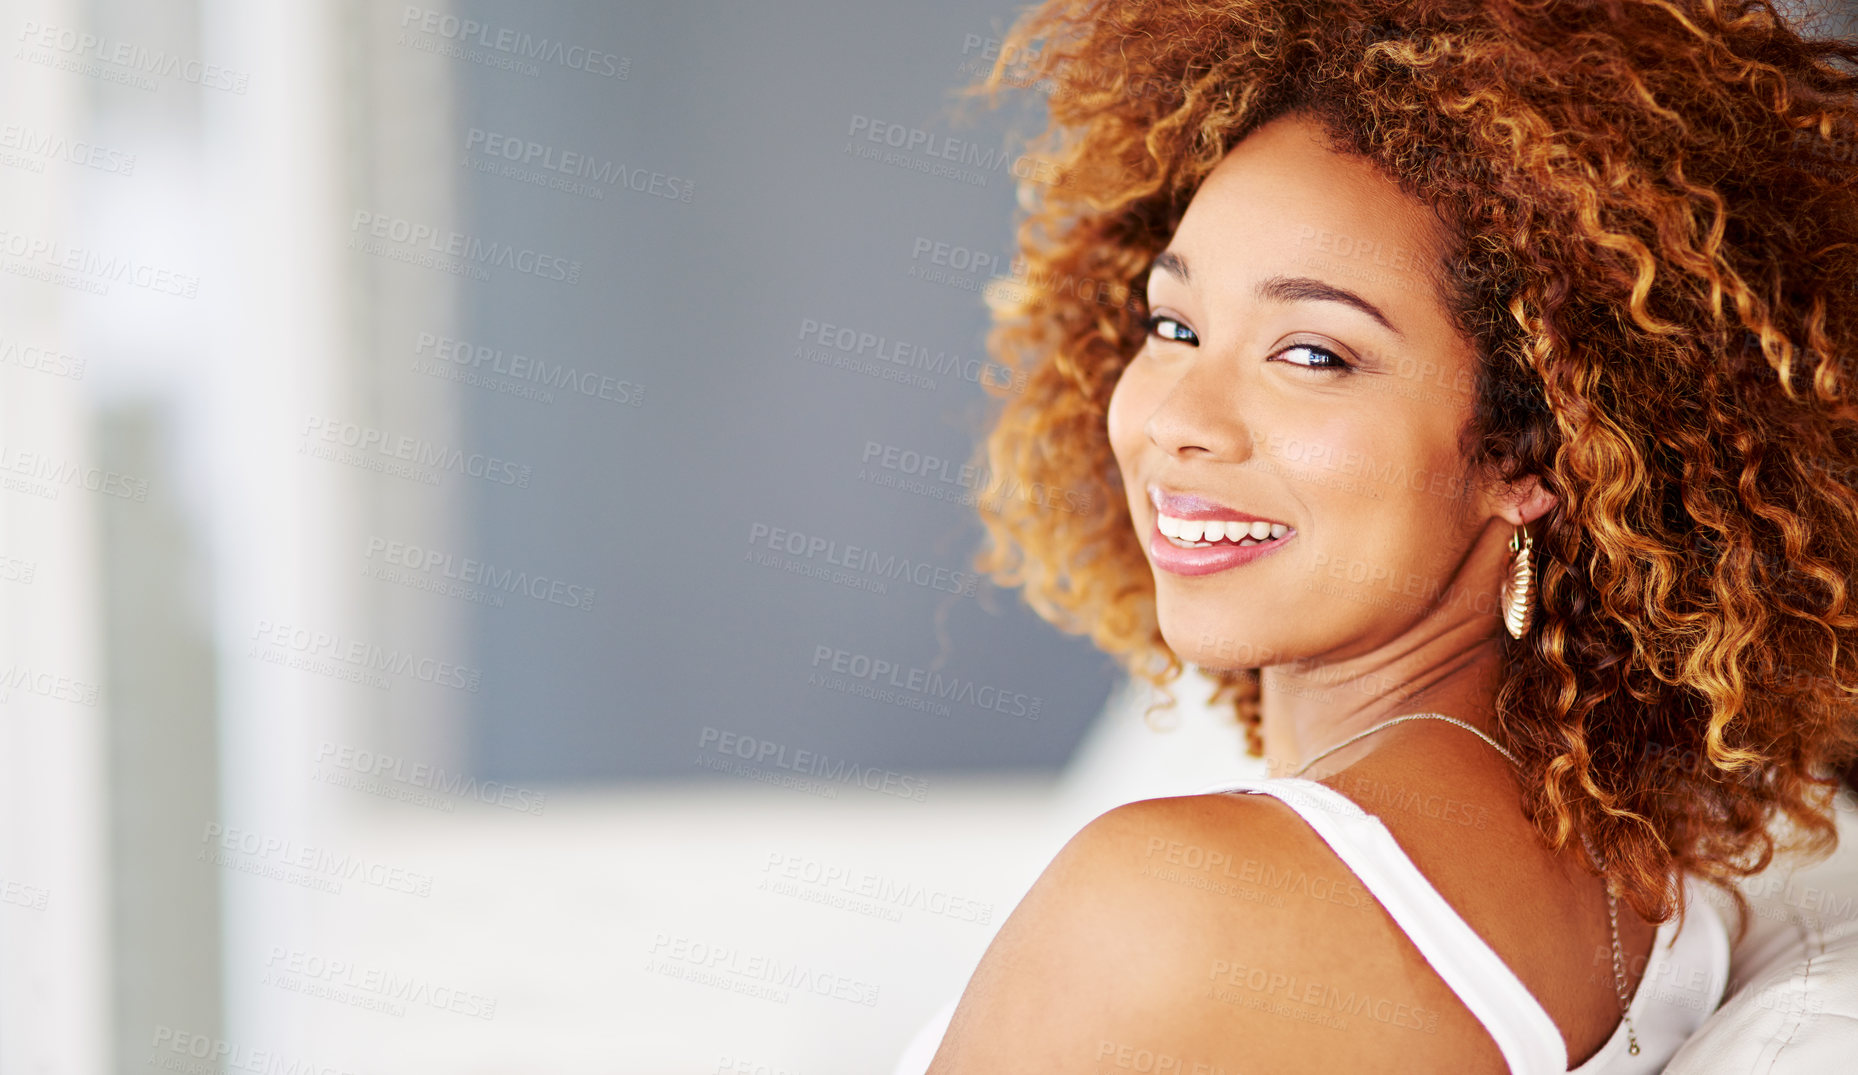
1641, 197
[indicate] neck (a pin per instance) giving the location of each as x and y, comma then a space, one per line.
1308, 706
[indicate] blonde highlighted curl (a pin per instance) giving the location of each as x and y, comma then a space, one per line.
1655, 218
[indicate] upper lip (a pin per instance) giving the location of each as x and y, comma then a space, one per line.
1189, 506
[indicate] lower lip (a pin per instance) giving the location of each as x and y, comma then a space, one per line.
1222, 557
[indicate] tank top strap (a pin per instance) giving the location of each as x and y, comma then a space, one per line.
1528, 1038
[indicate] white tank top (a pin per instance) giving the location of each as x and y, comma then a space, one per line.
1683, 983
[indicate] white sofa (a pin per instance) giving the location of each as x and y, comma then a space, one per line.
1792, 1005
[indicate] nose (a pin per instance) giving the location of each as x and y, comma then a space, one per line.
1199, 415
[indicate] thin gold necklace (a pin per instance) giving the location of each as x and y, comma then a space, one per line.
1612, 900
1402, 720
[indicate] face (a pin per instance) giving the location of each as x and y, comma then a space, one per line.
1294, 415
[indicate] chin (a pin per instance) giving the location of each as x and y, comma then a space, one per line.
1216, 643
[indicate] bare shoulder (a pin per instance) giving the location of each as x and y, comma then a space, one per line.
1204, 933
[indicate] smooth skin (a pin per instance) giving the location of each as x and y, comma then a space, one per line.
1141, 942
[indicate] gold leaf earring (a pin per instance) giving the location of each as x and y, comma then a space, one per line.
1519, 588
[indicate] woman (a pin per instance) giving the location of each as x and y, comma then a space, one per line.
1471, 393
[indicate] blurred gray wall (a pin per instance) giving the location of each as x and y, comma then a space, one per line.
757, 115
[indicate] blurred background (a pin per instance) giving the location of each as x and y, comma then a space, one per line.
484, 548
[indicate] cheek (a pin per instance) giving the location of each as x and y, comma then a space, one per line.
1327, 454
1125, 417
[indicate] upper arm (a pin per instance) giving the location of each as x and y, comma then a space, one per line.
1206, 933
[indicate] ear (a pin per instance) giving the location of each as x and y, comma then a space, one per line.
1523, 501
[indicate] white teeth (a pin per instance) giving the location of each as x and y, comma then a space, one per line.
1202, 532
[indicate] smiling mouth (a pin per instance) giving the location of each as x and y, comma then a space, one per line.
1206, 533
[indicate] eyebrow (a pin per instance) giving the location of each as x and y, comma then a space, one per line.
1286, 289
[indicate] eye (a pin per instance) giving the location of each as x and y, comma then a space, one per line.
1169, 329
1314, 358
